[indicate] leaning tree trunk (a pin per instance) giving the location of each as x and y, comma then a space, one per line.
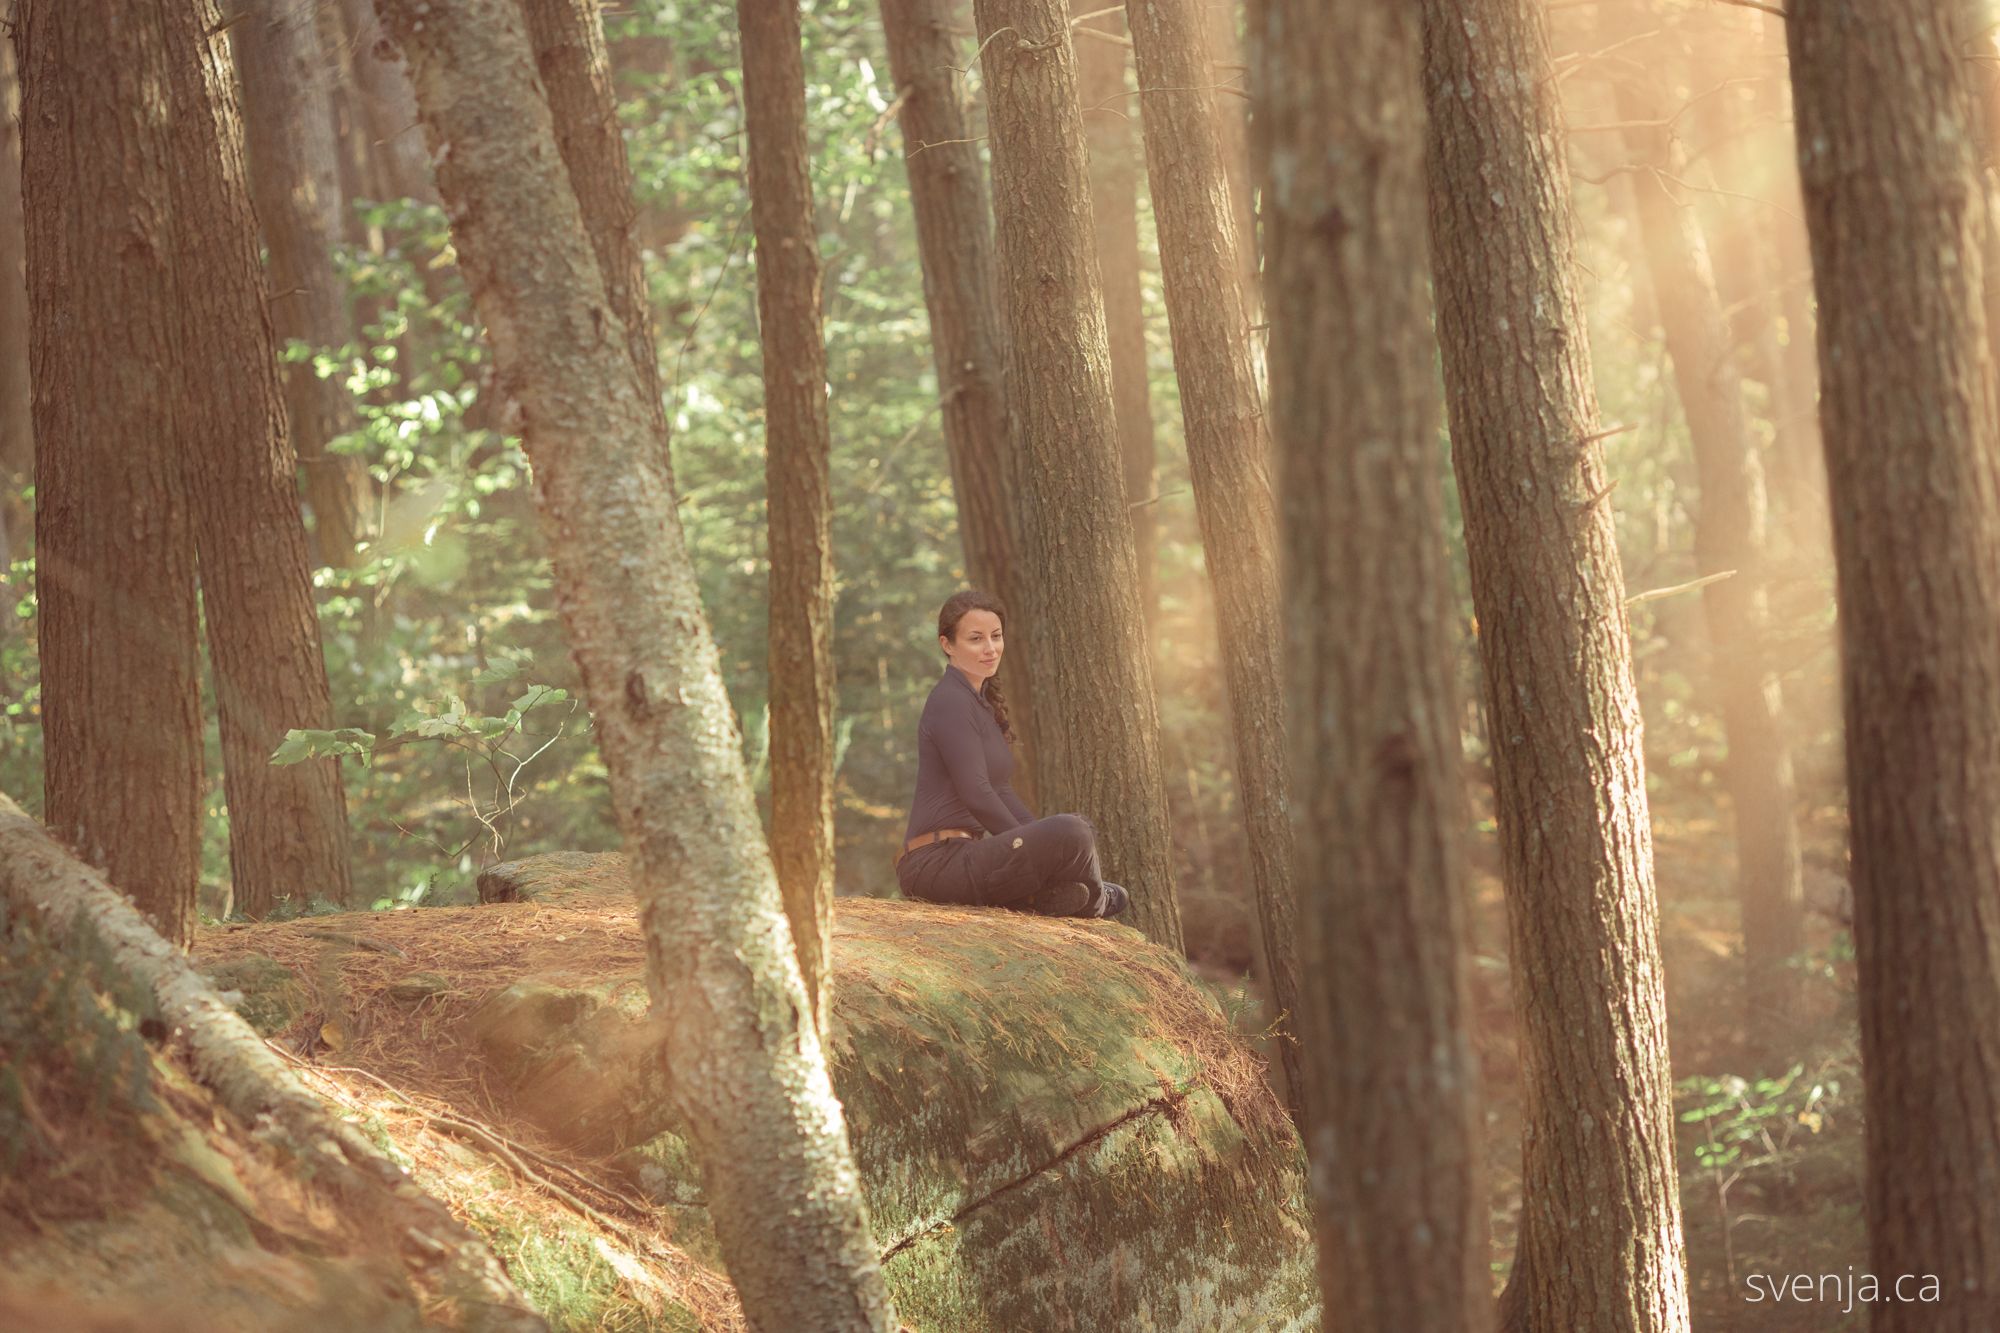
576, 76
748, 1074
1100, 720
295, 186
1600, 1237
798, 450
1108, 113
287, 824
1729, 541
1884, 119
1228, 451
81, 911
1393, 1128
955, 239
121, 701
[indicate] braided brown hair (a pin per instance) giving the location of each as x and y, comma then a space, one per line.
953, 611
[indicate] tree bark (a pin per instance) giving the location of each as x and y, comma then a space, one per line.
388, 107
955, 239
295, 187
1226, 76
81, 910
1393, 1129
17, 433
1228, 448
1806, 505
570, 55
357, 162
746, 1068
1100, 728
1600, 1237
798, 459
1108, 113
121, 702
1884, 118
1729, 540
287, 824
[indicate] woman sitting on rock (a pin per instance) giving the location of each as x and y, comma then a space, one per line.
970, 841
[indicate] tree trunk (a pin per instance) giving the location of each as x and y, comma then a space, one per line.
1600, 1238
287, 824
295, 186
1226, 74
1228, 450
17, 434
121, 702
1884, 118
357, 163
1729, 540
1806, 509
955, 238
388, 107
748, 1076
568, 36
1394, 1128
82, 911
798, 450
1100, 728
1108, 113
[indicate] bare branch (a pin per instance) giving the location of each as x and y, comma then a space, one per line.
1655, 594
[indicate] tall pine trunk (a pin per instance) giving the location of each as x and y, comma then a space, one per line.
388, 107
1100, 729
1108, 114
1229, 84
1729, 539
121, 710
1600, 1236
955, 239
1228, 451
295, 186
1897, 216
287, 824
1806, 510
748, 1075
1393, 1129
798, 450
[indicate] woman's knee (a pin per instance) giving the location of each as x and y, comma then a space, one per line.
1072, 830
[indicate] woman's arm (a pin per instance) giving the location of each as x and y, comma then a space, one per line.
959, 743
1014, 803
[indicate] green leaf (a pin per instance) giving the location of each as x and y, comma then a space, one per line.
504, 669
301, 745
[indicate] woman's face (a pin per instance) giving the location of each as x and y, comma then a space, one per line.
976, 651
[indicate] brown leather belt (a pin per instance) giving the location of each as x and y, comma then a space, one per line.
926, 839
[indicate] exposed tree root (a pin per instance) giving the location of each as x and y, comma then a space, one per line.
444, 1258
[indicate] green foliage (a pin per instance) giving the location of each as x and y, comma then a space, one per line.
1754, 1122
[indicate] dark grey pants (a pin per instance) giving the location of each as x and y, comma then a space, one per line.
1003, 869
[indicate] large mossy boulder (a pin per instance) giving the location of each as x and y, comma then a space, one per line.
1055, 1125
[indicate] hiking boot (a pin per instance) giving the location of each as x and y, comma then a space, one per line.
1063, 900
1116, 900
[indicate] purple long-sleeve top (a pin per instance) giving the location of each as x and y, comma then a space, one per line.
965, 768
